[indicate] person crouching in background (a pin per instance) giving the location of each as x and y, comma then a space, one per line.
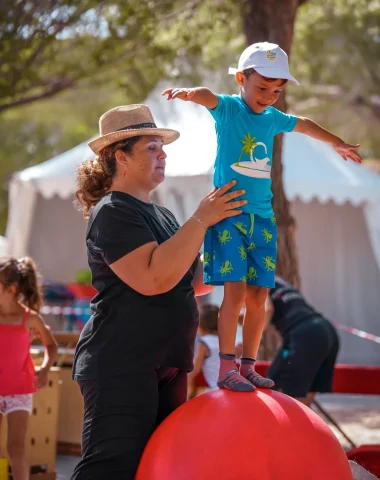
207, 352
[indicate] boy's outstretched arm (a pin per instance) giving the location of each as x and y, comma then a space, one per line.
201, 95
312, 129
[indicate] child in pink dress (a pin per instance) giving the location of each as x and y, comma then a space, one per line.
20, 303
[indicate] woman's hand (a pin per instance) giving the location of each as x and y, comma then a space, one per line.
153, 269
218, 205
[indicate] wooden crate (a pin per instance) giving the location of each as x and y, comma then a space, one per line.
41, 437
36, 476
70, 418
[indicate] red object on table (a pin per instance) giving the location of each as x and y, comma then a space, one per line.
81, 290
368, 456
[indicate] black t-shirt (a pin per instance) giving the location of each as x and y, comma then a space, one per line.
128, 331
290, 307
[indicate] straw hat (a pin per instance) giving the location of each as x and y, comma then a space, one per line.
128, 121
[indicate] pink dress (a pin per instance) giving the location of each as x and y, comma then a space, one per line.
16, 365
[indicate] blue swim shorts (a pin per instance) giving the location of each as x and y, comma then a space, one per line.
241, 249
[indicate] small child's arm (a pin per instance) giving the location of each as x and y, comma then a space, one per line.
201, 95
202, 353
312, 129
37, 325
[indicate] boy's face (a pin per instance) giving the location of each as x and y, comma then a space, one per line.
259, 92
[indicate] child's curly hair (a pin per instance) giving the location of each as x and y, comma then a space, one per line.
22, 273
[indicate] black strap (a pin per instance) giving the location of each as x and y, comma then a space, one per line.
139, 125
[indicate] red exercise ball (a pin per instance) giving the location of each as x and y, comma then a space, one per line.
224, 435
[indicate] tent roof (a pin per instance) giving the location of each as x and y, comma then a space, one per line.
311, 169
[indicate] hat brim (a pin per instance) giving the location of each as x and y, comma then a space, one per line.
98, 144
269, 72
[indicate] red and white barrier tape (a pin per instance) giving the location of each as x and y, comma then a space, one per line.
56, 310
46, 310
358, 333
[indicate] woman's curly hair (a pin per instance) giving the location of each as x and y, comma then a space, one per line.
94, 177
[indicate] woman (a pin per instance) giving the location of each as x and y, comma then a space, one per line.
133, 356
305, 363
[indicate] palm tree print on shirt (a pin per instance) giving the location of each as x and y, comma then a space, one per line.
248, 146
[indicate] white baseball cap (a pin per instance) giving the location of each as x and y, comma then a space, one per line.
268, 59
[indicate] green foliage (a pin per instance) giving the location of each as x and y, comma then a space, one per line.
35, 36
79, 59
83, 276
336, 55
49, 46
339, 43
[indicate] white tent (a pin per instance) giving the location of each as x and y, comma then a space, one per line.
335, 203
3, 246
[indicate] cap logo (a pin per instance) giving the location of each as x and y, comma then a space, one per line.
271, 55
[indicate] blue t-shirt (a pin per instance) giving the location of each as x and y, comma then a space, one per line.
244, 149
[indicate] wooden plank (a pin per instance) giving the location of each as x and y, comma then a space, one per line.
73, 449
70, 418
43, 476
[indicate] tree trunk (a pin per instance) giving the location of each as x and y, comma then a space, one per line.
273, 21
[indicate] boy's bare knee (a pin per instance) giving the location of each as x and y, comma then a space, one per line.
255, 296
234, 293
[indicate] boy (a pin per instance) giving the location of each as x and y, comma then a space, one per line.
240, 252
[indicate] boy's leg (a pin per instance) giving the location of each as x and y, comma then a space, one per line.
233, 300
254, 319
261, 265
253, 327
234, 295
226, 264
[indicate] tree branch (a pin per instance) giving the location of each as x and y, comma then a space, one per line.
50, 92
336, 92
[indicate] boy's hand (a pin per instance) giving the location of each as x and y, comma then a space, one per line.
347, 151
185, 94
